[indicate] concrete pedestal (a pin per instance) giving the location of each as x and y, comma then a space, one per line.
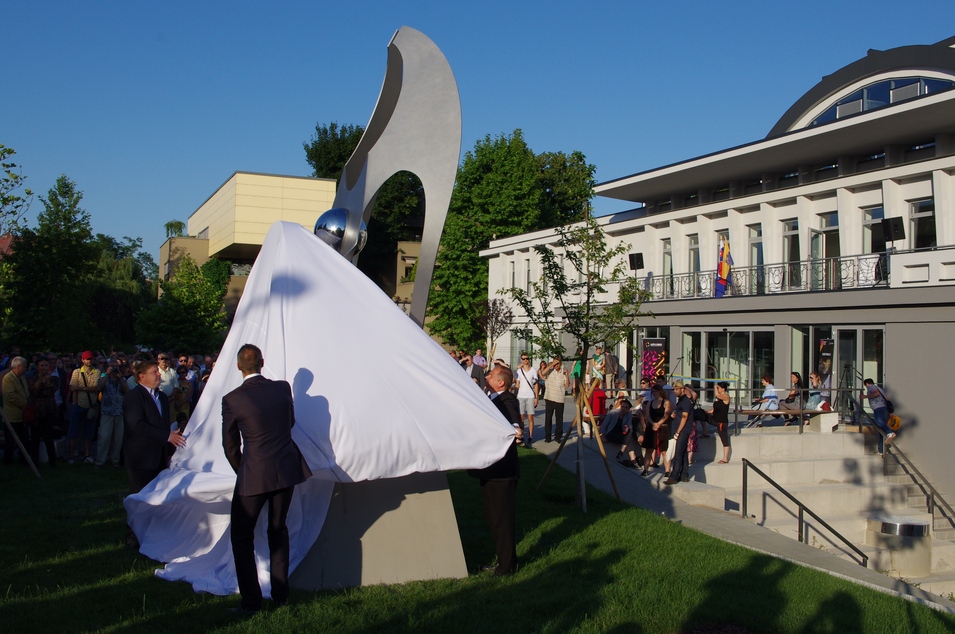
908, 541
823, 422
385, 531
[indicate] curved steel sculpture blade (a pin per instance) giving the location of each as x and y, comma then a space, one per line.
415, 127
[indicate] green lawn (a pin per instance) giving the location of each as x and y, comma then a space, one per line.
63, 568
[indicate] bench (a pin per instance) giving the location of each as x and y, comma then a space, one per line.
777, 413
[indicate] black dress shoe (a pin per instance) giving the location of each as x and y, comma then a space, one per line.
685, 479
240, 611
670, 482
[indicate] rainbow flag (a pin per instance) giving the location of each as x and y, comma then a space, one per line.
723, 269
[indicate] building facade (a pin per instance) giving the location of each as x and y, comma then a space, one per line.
841, 228
231, 224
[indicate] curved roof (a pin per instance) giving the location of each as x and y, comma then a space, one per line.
939, 58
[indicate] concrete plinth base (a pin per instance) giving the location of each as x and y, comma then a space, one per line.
906, 539
385, 531
823, 423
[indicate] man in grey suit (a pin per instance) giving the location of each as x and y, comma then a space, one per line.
257, 420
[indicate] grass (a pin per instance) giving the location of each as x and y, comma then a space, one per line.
63, 568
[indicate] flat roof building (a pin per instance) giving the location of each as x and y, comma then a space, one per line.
231, 224
818, 280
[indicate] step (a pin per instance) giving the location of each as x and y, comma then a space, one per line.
824, 499
942, 584
790, 471
852, 526
764, 445
694, 493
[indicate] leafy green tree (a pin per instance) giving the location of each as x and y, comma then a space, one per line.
190, 314
175, 228
45, 281
503, 189
13, 205
330, 148
576, 305
123, 285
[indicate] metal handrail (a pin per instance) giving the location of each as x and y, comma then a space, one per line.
933, 498
802, 508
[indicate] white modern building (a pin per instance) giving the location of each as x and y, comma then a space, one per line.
814, 270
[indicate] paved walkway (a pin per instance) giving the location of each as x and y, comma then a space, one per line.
730, 527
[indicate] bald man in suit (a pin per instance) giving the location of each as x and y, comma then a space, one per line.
268, 465
499, 480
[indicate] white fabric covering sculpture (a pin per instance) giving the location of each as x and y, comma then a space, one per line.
375, 397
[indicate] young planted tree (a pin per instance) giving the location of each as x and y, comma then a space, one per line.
495, 319
585, 291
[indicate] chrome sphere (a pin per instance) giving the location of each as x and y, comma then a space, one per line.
330, 228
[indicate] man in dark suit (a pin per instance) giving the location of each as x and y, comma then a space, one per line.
499, 480
268, 465
146, 433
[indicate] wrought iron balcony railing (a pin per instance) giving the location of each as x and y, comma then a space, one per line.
829, 274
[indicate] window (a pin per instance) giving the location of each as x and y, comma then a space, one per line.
791, 254
881, 94
757, 280
512, 274
667, 268
694, 253
923, 223
527, 276
873, 239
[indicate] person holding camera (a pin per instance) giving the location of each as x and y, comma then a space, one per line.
110, 441
556, 382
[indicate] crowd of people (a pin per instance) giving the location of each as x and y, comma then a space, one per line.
659, 426
79, 397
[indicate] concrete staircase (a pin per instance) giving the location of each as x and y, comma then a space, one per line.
840, 477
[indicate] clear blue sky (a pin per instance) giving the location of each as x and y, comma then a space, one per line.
150, 106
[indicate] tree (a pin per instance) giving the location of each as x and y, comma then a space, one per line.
503, 189
45, 281
559, 304
123, 285
12, 205
190, 314
330, 148
495, 319
175, 228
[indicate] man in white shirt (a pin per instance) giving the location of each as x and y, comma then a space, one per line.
527, 392
168, 380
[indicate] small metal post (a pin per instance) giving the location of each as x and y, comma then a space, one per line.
802, 524
745, 496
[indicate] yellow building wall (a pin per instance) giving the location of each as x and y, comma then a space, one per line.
241, 211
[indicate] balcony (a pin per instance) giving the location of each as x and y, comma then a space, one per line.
829, 274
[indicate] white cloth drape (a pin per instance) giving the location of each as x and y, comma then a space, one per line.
375, 397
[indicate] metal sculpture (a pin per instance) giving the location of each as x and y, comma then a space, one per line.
415, 127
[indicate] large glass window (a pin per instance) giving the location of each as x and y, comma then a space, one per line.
757, 281
527, 276
792, 254
693, 251
881, 94
824, 250
923, 223
873, 239
667, 268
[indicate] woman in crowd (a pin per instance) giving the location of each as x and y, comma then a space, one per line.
656, 434
794, 400
815, 391
43, 389
720, 413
